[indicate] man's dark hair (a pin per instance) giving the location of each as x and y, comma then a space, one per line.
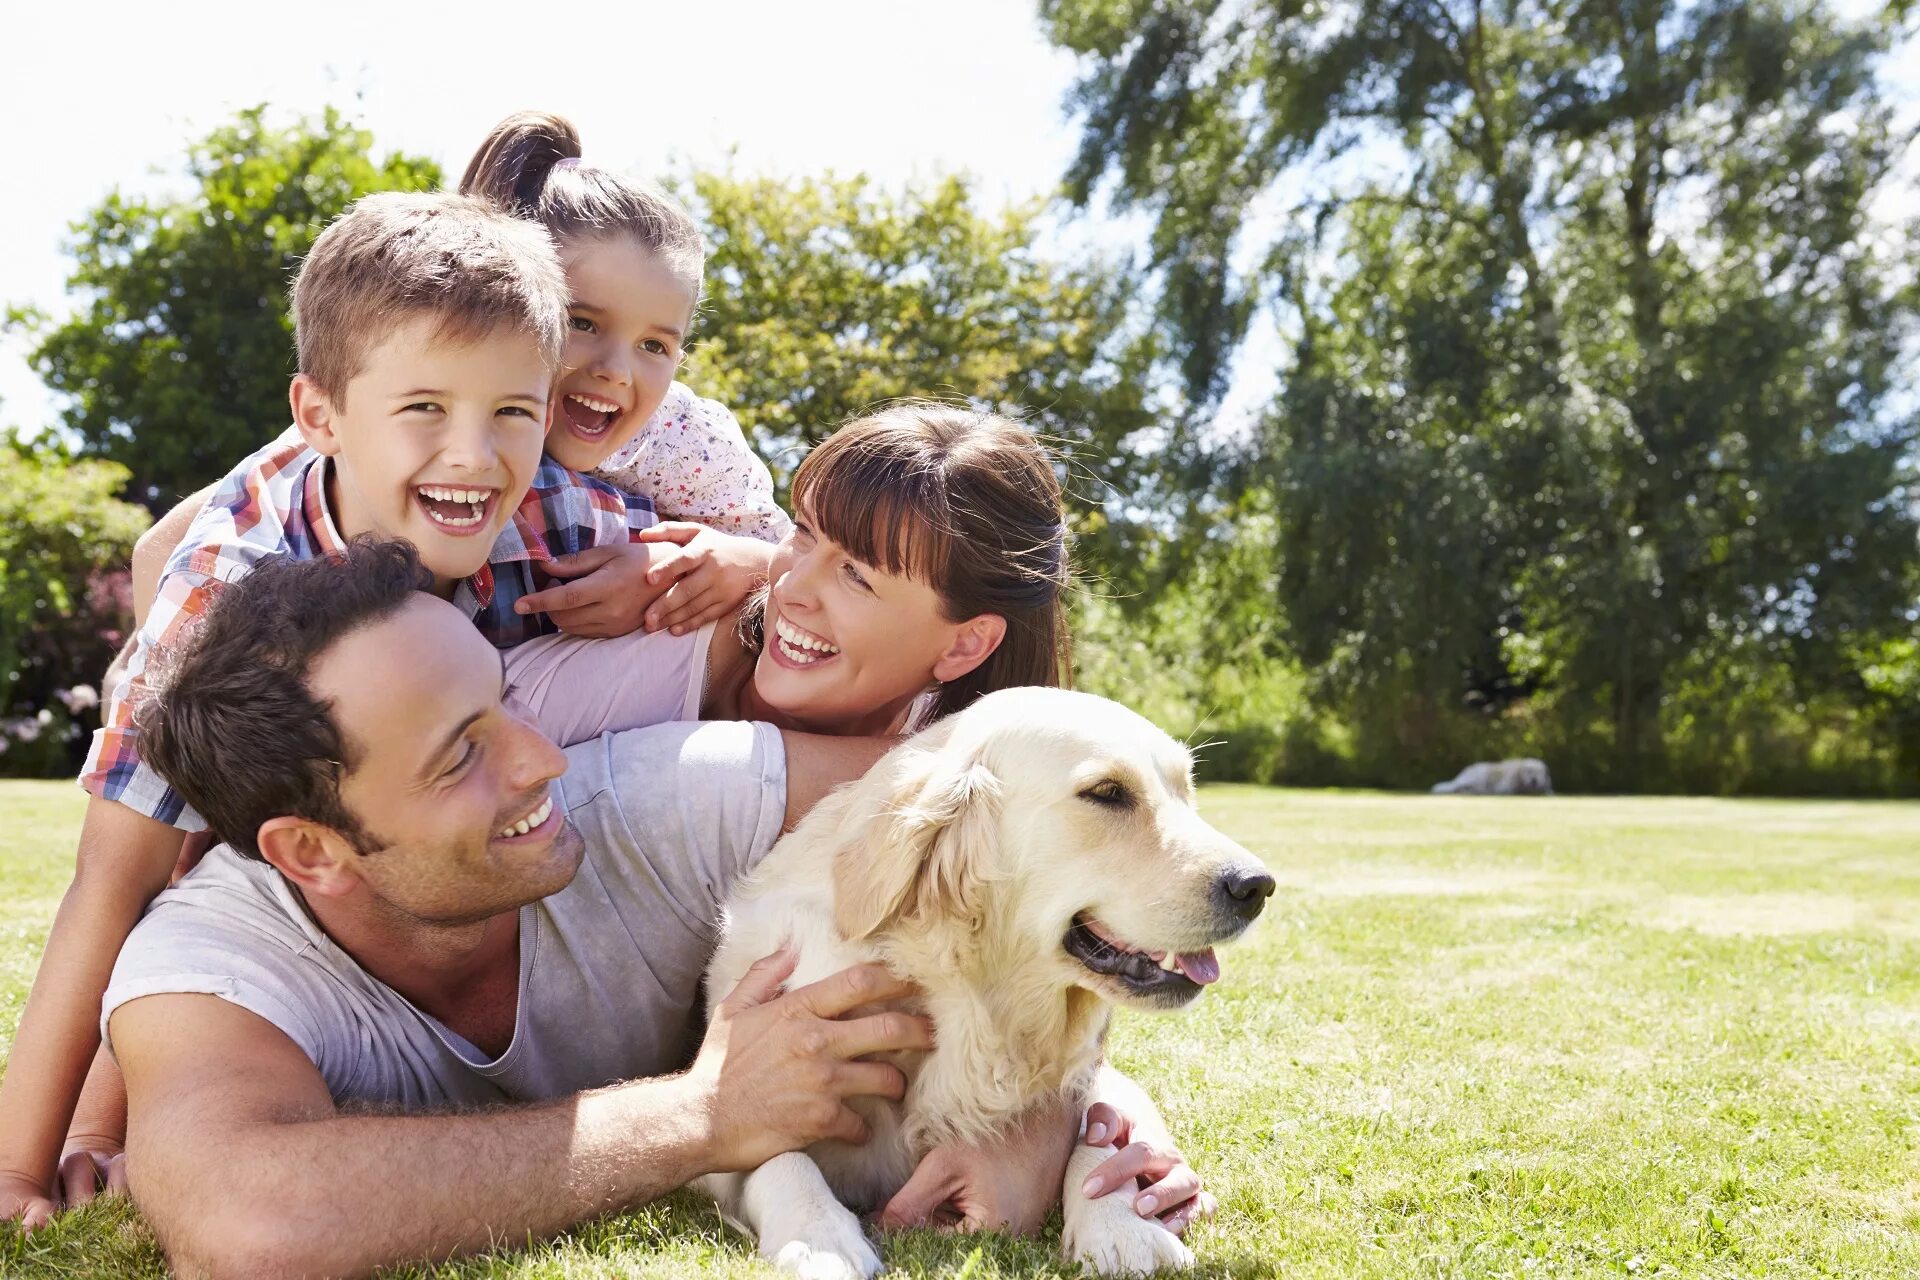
229, 720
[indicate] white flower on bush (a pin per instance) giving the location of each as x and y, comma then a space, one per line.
23, 728
82, 697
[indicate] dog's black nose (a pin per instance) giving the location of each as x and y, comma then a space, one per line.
1243, 891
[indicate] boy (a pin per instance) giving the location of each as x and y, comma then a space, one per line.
429, 330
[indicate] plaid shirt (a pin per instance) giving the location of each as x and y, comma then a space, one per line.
275, 503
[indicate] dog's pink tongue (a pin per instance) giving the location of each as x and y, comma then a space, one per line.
1199, 966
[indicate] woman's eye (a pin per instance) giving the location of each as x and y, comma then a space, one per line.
853, 576
1108, 795
580, 324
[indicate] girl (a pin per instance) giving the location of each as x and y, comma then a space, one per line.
633, 259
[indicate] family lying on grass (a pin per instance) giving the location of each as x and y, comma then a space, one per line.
440, 985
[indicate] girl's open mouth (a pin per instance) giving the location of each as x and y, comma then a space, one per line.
588, 416
456, 509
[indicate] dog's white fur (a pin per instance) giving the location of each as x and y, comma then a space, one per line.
1526, 777
960, 861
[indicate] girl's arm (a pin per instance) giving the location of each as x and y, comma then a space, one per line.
155, 548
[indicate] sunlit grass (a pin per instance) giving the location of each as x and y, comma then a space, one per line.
1565, 1037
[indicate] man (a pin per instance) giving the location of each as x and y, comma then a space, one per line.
424, 905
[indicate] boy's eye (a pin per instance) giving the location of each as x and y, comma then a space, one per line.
522, 410
580, 324
653, 346
422, 406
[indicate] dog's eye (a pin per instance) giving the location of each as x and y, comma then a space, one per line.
1108, 795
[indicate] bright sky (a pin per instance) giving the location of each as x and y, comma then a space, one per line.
108, 93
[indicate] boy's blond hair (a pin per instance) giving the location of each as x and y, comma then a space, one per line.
397, 255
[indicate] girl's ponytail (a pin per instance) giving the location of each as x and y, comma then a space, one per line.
530, 165
512, 165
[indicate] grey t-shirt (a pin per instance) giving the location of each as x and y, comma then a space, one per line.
610, 966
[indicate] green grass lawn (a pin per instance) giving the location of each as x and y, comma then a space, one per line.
1470, 1037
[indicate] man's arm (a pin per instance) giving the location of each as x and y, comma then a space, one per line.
233, 1130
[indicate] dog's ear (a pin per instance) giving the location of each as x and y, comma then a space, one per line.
926, 854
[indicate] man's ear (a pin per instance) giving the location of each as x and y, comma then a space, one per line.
972, 645
925, 854
313, 414
314, 857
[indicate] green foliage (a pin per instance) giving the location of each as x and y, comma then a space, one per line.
827, 298
1589, 408
176, 361
64, 543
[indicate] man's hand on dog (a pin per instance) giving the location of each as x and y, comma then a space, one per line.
1169, 1189
776, 1069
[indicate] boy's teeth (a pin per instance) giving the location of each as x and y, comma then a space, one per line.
475, 499
529, 822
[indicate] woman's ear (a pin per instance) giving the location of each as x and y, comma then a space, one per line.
313, 414
972, 645
314, 857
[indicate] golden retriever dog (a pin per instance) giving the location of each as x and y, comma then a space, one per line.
1030, 862
1524, 777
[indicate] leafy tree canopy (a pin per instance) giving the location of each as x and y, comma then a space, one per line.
176, 360
826, 298
1593, 335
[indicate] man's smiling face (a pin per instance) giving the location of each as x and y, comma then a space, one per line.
451, 785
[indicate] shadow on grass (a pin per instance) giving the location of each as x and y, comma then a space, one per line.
681, 1235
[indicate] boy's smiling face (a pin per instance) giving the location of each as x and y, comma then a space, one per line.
434, 441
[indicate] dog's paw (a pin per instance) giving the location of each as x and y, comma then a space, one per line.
828, 1248
1123, 1244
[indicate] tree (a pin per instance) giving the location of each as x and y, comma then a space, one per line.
827, 298
1594, 337
176, 362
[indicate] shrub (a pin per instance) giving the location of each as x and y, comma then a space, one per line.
65, 600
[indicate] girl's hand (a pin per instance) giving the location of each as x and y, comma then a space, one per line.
605, 591
1170, 1190
705, 573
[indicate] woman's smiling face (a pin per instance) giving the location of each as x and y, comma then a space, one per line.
848, 646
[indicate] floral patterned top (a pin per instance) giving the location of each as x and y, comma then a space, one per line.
692, 461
